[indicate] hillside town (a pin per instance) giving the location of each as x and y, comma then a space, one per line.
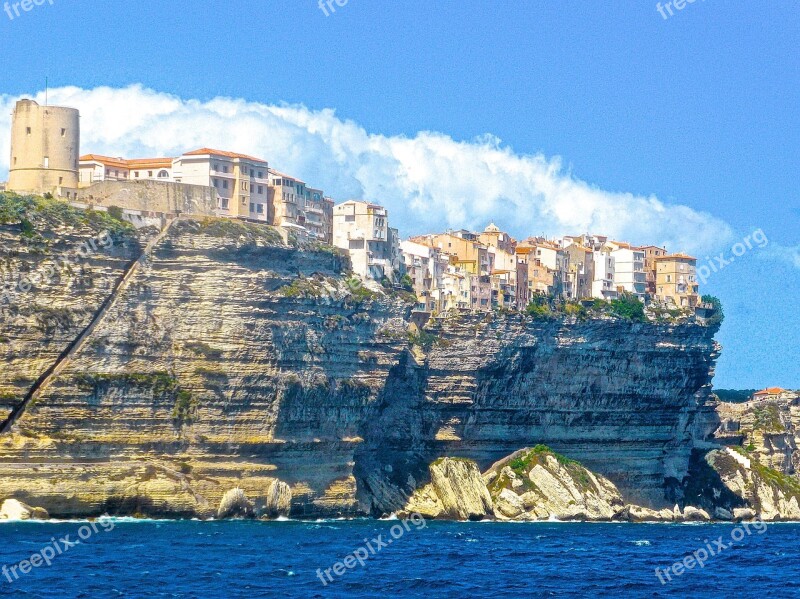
455, 269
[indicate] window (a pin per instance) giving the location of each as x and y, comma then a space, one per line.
63, 133
350, 218
252, 173
216, 182
46, 162
224, 184
244, 185
149, 173
136, 175
669, 278
252, 207
260, 189
28, 130
224, 203
260, 208
224, 169
60, 180
244, 200
163, 175
260, 174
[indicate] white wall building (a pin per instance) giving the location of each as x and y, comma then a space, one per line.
629, 273
603, 276
362, 228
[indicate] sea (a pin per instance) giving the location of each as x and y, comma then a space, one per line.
396, 558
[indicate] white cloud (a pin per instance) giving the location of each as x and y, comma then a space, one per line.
785, 254
429, 181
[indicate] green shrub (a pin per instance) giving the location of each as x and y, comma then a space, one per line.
575, 309
719, 313
185, 409
629, 307
424, 339
539, 310
116, 212
407, 283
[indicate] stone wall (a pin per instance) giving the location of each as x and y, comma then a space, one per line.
160, 197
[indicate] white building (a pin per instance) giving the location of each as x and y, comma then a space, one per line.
241, 181
629, 273
94, 168
603, 276
362, 228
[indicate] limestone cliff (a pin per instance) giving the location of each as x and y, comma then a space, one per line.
730, 483
754, 472
769, 429
235, 361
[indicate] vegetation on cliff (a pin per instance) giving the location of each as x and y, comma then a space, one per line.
626, 307
37, 215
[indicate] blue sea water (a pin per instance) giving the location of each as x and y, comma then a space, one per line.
435, 559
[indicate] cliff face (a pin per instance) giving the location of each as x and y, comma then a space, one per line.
627, 400
769, 429
232, 361
56, 267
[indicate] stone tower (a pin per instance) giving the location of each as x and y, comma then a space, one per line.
45, 146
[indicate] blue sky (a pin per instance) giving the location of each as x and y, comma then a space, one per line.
608, 103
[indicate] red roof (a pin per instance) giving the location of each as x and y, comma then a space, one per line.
771, 391
212, 152
125, 163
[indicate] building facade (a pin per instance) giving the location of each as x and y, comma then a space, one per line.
651, 252
362, 228
241, 181
676, 280
95, 168
629, 269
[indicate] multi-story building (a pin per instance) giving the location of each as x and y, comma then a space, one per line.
603, 275
95, 168
45, 144
456, 286
468, 254
510, 278
293, 203
580, 273
676, 280
651, 252
548, 266
426, 266
362, 228
240, 180
629, 269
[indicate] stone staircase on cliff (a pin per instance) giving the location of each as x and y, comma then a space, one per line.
64, 359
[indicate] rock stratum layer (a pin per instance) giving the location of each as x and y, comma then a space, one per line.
232, 361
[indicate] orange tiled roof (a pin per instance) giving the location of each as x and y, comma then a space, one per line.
150, 163
284, 175
212, 152
678, 256
771, 391
106, 160
125, 163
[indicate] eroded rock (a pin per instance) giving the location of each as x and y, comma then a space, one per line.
13, 509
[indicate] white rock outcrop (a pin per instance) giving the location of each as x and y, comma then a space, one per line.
13, 509
457, 491
235, 504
